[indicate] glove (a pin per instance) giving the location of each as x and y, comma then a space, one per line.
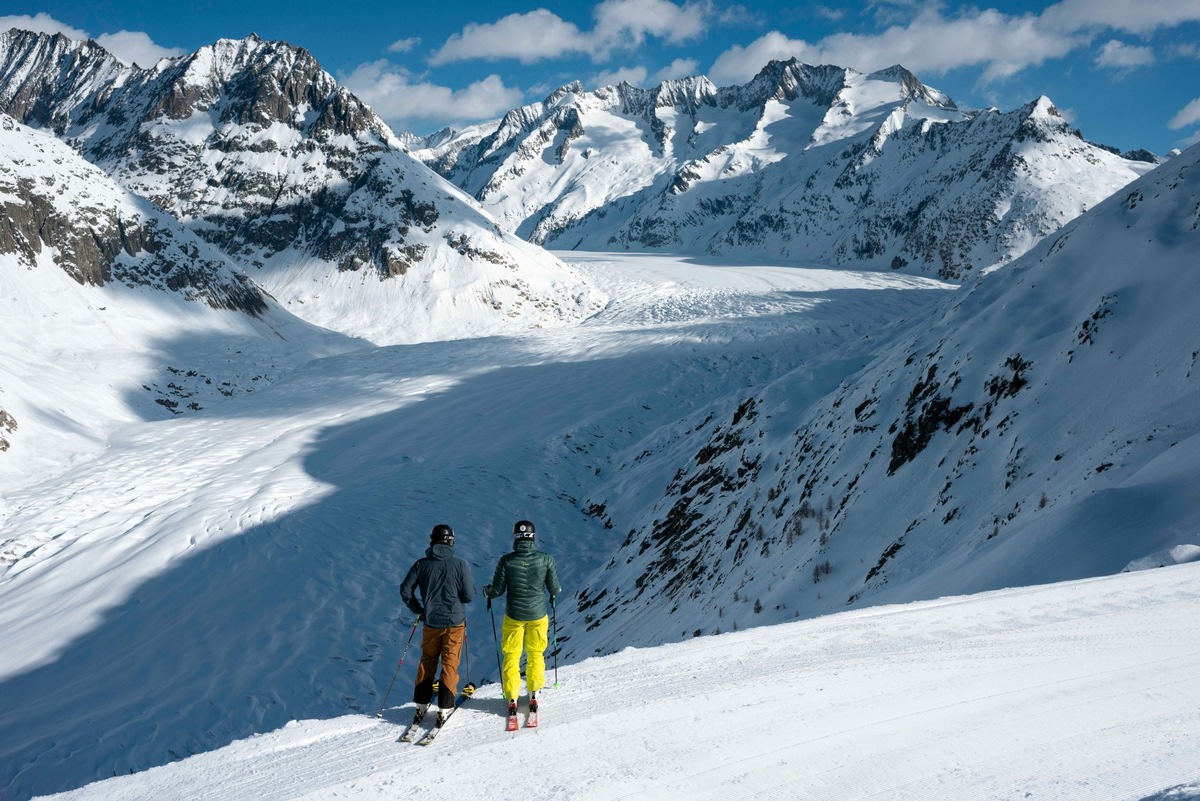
487, 591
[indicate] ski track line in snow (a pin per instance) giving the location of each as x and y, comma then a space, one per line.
700, 785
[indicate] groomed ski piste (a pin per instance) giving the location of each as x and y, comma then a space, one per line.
1080, 690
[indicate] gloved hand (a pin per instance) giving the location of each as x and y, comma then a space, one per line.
487, 591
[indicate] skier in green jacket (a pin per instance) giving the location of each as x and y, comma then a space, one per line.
526, 575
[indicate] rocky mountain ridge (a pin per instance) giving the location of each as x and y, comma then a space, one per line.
260, 152
805, 163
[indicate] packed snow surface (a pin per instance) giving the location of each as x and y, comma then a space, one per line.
1070, 691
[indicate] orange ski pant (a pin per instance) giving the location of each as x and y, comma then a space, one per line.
443, 645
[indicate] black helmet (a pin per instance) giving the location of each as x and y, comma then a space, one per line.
523, 530
441, 535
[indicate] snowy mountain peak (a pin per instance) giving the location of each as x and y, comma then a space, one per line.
50, 81
261, 83
792, 79
685, 93
912, 87
1042, 122
563, 93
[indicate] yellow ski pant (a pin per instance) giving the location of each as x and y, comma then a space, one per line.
532, 635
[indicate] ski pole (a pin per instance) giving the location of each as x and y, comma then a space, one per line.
554, 614
379, 714
496, 640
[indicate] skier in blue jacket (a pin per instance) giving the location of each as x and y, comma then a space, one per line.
445, 586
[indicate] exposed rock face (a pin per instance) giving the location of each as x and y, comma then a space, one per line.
8, 426
56, 205
809, 163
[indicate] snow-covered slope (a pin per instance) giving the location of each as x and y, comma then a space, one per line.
113, 311
1043, 426
262, 154
1080, 690
806, 163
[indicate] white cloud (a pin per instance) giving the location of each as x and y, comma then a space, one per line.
1143, 16
1003, 44
528, 37
404, 45
393, 94
628, 22
132, 47
1187, 116
631, 75
679, 68
135, 47
1186, 50
541, 34
1116, 54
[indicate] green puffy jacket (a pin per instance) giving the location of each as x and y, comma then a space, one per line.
525, 574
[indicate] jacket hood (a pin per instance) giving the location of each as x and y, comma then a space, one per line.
524, 546
440, 551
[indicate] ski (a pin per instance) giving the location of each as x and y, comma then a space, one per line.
531, 717
513, 724
410, 733
432, 734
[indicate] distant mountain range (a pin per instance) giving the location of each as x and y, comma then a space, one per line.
806, 163
259, 152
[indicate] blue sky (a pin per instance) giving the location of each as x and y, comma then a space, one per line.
1126, 73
